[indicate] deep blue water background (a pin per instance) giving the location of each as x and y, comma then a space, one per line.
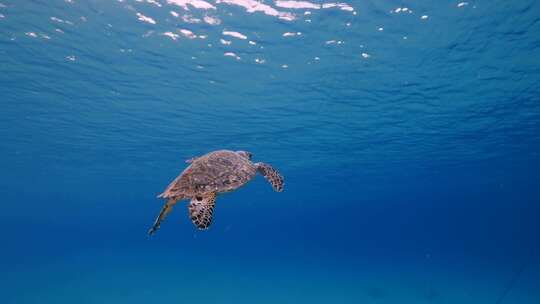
410, 147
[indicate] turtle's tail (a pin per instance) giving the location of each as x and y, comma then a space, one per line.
167, 208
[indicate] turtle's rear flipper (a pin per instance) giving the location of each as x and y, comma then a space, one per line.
167, 208
271, 175
201, 209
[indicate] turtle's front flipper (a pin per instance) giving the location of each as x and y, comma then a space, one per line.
201, 209
271, 175
167, 208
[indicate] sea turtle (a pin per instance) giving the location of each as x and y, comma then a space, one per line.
205, 177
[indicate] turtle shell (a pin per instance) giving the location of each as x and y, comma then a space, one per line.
219, 171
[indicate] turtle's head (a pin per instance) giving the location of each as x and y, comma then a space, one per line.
244, 154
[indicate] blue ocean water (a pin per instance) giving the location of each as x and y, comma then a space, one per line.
408, 133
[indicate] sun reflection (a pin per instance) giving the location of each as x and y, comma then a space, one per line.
187, 33
297, 4
231, 54
209, 20
235, 34
171, 35
200, 4
289, 34
252, 6
144, 18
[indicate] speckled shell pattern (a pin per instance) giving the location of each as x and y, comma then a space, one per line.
219, 171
